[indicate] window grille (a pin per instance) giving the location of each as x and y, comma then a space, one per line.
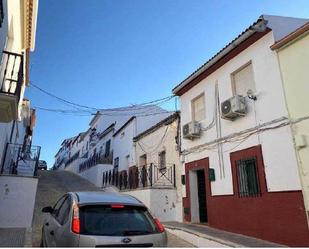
247, 176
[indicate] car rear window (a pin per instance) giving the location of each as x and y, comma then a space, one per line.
108, 221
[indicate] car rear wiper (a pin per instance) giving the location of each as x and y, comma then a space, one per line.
135, 232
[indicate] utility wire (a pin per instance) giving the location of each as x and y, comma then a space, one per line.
125, 108
74, 112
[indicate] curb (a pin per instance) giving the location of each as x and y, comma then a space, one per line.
28, 237
199, 239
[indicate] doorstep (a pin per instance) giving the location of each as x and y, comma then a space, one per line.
205, 236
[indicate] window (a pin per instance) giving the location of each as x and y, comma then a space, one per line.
242, 80
64, 211
107, 221
162, 160
247, 177
127, 161
57, 206
198, 108
107, 148
116, 162
143, 160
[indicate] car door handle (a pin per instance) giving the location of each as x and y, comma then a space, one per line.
47, 224
52, 233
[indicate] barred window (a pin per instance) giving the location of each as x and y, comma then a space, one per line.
247, 176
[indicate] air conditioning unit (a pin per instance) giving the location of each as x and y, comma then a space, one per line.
191, 130
234, 107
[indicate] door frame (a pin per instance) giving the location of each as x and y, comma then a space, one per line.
190, 167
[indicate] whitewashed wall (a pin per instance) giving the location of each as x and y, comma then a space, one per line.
152, 144
95, 173
17, 195
162, 203
123, 146
278, 154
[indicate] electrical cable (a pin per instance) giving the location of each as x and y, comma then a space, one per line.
157, 146
125, 108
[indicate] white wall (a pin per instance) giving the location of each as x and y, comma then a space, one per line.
152, 144
161, 202
95, 173
17, 195
277, 147
123, 146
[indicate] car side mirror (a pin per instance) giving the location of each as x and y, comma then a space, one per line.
48, 209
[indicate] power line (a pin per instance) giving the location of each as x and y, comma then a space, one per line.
125, 108
77, 113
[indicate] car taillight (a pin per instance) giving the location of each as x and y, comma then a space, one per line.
75, 220
159, 225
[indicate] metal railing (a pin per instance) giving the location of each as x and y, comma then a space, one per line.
247, 176
12, 74
21, 160
96, 159
72, 159
141, 177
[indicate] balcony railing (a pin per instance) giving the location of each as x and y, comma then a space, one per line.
11, 75
72, 159
148, 176
21, 160
96, 159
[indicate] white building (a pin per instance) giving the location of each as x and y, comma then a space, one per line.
18, 157
240, 164
157, 152
107, 153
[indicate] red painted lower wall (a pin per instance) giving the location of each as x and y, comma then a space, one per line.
274, 216
277, 217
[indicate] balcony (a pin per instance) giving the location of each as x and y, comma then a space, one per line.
20, 160
11, 81
96, 159
147, 176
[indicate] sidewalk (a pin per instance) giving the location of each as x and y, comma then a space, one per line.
205, 236
12, 237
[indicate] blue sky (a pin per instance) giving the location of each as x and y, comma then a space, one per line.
116, 53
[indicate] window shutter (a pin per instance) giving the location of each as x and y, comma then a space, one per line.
243, 80
198, 106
